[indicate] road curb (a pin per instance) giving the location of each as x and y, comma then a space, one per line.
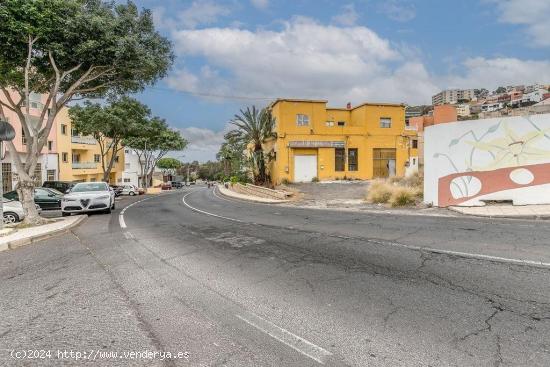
502, 216
256, 199
39, 237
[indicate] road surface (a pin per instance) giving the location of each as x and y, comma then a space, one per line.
229, 283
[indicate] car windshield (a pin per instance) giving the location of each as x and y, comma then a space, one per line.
54, 191
89, 186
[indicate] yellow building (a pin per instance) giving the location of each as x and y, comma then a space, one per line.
80, 156
363, 142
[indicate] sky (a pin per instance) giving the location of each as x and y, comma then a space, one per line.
232, 54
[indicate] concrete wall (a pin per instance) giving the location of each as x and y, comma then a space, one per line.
502, 159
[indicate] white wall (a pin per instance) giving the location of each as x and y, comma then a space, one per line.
507, 157
132, 168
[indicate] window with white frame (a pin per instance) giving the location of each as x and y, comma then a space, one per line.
385, 122
302, 120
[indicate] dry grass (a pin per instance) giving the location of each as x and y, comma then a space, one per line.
379, 192
397, 191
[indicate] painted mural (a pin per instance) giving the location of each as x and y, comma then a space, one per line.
468, 163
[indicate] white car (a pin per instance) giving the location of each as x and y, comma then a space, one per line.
129, 190
13, 211
88, 197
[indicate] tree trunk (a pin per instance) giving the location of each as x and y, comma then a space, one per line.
25, 190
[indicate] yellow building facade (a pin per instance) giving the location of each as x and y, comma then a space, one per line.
80, 156
364, 142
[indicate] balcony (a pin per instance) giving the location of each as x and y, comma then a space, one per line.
84, 165
411, 128
83, 140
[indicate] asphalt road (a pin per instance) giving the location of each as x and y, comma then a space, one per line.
228, 283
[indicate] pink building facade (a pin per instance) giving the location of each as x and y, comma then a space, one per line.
48, 164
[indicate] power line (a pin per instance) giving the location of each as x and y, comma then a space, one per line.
210, 95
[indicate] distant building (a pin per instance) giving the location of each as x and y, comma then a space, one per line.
463, 110
452, 96
533, 97
491, 107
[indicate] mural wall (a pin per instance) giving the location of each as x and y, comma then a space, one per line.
470, 162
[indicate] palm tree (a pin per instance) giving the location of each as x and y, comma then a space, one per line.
254, 129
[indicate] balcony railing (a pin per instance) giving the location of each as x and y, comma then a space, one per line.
84, 165
83, 140
411, 128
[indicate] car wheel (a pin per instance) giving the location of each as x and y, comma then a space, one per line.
113, 206
132, 193
10, 217
65, 214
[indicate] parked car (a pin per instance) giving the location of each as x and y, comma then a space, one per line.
13, 211
117, 190
177, 185
165, 186
61, 186
88, 197
129, 190
141, 190
47, 199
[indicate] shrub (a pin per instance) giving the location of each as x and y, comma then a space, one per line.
402, 196
234, 180
379, 192
414, 180
315, 179
285, 181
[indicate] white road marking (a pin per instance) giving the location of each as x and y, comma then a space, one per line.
467, 255
286, 337
205, 212
121, 215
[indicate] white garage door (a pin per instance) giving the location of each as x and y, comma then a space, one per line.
305, 168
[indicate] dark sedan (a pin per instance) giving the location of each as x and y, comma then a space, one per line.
46, 198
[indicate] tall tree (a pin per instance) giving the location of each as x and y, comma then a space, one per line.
66, 49
109, 125
152, 144
254, 130
168, 165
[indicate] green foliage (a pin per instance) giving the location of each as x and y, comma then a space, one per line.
109, 47
315, 179
285, 181
253, 129
234, 180
168, 164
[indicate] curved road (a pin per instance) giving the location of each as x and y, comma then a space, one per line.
233, 283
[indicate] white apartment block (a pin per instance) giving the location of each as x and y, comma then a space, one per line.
452, 96
132, 168
463, 109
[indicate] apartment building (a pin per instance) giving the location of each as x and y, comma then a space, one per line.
79, 156
47, 167
452, 96
318, 142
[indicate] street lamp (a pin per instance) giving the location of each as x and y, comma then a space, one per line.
7, 133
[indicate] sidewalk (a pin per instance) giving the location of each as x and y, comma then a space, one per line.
257, 199
506, 211
28, 235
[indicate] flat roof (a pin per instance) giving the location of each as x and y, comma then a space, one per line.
336, 108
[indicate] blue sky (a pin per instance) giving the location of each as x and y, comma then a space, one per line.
235, 53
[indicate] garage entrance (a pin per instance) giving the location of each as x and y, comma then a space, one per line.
305, 168
383, 163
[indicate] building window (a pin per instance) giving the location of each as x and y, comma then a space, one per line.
97, 158
126, 151
339, 159
50, 145
93, 179
415, 143
74, 132
63, 129
385, 122
126, 180
23, 137
6, 177
65, 157
76, 158
302, 120
341, 123
116, 159
330, 123
50, 175
352, 159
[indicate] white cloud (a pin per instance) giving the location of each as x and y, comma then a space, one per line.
533, 14
203, 143
348, 17
398, 10
260, 4
202, 12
